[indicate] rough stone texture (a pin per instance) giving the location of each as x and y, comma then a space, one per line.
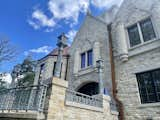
59, 110
142, 58
93, 34
48, 70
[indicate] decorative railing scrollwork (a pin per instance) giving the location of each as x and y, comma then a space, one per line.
23, 98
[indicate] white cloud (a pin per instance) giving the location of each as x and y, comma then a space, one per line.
39, 19
71, 34
42, 50
67, 10
105, 3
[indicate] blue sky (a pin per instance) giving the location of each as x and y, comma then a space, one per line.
33, 25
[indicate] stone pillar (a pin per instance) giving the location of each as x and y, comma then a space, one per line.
121, 36
96, 52
59, 62
61, 44
107, 112
76, 61
100, 71
56, 106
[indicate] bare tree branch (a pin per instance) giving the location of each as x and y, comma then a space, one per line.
7, 51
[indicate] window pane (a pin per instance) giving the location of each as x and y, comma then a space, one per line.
156, 79
89, 56
83, 59
147, 30
146, 87
134, 35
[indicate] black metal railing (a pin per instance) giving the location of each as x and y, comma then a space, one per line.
23, 98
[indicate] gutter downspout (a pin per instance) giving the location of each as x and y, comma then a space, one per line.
114, 85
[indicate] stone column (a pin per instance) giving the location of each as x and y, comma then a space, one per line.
107, 112
56, 106
100, 71
121, 36
61, 44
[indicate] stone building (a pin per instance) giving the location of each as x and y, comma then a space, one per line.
116, 54
133, 31
136, 47
46, 66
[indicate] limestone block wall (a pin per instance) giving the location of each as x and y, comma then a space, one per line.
59, 109
141, 58
128, 91
48, 68
93, 35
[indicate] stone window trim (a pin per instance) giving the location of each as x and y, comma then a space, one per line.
140, 33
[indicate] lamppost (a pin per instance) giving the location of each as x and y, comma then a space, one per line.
62, 43
99, 65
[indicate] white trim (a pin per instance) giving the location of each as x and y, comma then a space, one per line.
140, 34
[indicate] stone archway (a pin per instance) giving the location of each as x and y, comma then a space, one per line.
89, 89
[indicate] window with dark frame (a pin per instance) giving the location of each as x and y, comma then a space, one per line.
134, 35
149, 86
83, 60
89, 58
145, 28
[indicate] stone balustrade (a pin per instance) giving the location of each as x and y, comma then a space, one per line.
83, 99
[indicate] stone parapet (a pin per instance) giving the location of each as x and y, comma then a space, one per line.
60, 109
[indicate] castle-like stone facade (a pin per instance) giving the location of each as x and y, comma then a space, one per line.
132, 34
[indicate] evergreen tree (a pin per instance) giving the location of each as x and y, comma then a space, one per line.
24, 72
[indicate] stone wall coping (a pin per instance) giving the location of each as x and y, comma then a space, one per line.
59, 82
83, 106
22, 115
149, 105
